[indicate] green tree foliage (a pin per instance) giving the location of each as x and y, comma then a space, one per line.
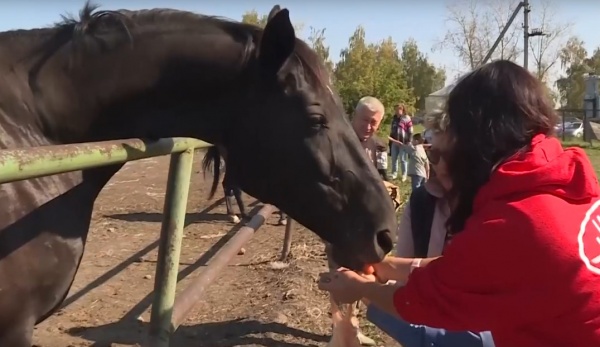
371, 69
375, 69
316, 40
253, 17
576, 62
421, 76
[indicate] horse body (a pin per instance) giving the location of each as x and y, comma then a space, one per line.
165, 73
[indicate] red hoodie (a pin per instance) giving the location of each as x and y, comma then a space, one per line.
527, 264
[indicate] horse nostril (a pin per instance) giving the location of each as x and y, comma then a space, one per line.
384, 240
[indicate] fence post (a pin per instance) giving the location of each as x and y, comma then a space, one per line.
171, 233
287, 239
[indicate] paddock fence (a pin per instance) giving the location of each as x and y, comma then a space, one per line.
168, 311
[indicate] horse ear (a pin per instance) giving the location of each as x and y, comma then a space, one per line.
278, 41
273, 12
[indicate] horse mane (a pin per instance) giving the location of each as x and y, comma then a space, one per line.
95, 31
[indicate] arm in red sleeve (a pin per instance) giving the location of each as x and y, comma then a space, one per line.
488, 278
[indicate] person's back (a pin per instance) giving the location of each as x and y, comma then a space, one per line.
554, 194
544, 207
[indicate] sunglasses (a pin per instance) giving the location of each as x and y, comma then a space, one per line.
434, 155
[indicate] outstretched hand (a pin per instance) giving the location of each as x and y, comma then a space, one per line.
344, 285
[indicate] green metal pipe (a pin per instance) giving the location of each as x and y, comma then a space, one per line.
25, 163
169, 248
192, 294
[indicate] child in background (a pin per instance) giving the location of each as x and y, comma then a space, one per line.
418, 164
382, 160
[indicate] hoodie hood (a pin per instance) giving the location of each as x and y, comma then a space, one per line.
546, 168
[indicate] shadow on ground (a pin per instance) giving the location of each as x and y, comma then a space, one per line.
216, 334
158, 217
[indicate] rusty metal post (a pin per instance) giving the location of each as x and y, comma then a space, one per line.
169, 249
192, 294
287, 239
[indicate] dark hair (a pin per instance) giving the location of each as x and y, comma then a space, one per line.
494, 112
418, 137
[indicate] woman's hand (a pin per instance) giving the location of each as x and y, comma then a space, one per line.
344, 285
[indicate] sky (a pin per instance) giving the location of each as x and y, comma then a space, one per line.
424, 21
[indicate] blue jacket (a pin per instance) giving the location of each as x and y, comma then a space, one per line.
412, 335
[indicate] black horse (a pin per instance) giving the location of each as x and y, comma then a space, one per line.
264, 95
216, 156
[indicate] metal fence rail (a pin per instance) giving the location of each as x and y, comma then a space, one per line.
26, 163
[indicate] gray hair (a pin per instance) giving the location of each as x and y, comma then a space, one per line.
370, 103
437, 120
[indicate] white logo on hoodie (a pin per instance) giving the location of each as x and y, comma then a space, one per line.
589, 239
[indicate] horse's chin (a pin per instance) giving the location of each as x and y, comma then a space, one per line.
349, 261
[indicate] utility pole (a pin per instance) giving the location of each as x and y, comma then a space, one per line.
527, 34
526, 10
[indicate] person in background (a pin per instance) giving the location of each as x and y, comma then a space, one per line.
422, 233
418, 164
523, 259
427, 137
365, 121
382, 160
400, 134
367, 117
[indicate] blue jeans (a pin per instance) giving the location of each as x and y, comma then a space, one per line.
412, 335
398, 152
416, 181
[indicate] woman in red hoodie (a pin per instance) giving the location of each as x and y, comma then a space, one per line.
524, 259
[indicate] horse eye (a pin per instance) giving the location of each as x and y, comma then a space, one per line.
336, 184
318, 121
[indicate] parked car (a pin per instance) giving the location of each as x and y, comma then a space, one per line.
574, 129
561, 126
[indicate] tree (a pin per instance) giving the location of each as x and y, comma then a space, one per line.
546, 49
253, 17
474, 25
371, 69
351, 73
575, 62
316, 40
422, 77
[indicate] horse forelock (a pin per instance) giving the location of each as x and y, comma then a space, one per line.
314, 69
316, 73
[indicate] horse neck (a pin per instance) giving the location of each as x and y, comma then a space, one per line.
17, 45
144, 90
123, 94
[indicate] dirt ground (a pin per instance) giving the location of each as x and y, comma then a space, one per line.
250, 304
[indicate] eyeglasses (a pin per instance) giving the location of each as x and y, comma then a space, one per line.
434, 155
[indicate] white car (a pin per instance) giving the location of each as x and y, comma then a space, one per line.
574, 129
